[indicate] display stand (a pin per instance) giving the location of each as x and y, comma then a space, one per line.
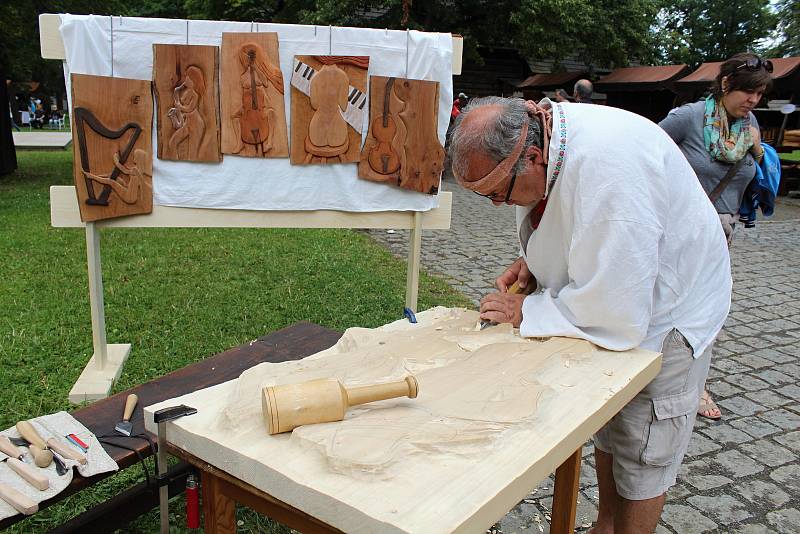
105, 365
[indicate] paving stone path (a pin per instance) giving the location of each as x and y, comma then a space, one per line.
741, 474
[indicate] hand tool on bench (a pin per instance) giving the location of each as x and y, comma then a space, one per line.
42, 454
325, 400
21, 503
14, 461
161, 418
125, 427
52, 445
514, 290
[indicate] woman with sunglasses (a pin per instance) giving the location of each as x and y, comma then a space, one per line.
721, 140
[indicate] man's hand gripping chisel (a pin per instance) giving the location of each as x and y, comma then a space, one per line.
514, 290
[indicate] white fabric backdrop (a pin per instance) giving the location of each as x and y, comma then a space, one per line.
253, 183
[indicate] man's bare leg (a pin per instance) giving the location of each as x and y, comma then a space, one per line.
609, 499
638, 517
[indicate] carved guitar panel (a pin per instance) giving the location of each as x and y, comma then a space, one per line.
112, 144
186, 80
251, 93
328, 100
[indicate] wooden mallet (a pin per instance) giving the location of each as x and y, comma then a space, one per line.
323, 401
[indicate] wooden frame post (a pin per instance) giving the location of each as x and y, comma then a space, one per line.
414, 256
565, 494
105, 365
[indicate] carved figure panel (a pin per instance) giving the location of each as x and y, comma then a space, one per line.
186, 81
253, 113
111, 139
402, 145
329, 107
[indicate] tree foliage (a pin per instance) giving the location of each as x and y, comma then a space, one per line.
696, 31
788, 13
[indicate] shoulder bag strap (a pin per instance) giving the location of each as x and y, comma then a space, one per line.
714, 195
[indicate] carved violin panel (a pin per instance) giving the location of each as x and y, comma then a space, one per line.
111, 139
186, 81
402, 145
252, 90
329, 108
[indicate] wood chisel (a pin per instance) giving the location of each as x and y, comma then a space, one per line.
514, 290
14, 461
21, 503
41, 456
125, 427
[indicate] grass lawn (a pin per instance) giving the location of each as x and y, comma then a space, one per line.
178, 295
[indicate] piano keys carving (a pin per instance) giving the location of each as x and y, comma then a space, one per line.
112, 125
402, 145
253, 113
328, 108
186, 81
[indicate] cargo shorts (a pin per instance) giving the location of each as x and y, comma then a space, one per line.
648, 438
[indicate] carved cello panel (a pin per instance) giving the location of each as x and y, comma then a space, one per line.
329, 108
402, 145
111, 140
186, 81
253, 115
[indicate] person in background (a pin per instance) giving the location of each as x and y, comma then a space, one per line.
562, 96
458, 105
720, 138
582, 92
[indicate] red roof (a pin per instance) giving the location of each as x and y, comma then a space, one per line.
553, 79
651, 75
705, 73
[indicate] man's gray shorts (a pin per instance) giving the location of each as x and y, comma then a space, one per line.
649, 437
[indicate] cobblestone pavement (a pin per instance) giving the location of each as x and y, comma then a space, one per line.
742, 473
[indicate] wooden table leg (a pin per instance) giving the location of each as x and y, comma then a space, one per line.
565, 495
219, 509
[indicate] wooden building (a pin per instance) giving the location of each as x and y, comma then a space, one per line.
647, 91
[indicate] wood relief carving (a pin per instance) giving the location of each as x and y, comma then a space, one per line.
113, 169
185, 78
328, 108
253, 113
402, 145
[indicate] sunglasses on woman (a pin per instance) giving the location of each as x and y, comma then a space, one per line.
754, 63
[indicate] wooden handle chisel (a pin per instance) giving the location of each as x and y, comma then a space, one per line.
21, 503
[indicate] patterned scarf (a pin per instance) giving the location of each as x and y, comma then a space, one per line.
724, 141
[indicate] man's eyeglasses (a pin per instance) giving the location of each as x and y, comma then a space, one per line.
494, 196
754, 63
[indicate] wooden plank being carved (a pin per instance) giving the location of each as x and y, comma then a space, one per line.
111, 139
329, 107
402, 146
251, 91
494, 414
186, 82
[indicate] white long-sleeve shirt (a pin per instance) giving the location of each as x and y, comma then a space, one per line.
629, 246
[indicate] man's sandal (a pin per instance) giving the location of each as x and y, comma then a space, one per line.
708, 405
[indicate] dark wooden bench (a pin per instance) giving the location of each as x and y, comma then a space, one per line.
291, 343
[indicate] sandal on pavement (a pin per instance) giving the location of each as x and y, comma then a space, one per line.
708, 406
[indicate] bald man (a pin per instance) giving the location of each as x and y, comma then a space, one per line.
582, 92
625, 251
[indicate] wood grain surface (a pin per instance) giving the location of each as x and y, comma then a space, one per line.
112, 132
319, 132
409, 133
242, 110
186, 83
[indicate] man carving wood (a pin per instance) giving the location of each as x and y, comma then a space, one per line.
626, 251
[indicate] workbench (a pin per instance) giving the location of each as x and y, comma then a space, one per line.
291, 343
496, 415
